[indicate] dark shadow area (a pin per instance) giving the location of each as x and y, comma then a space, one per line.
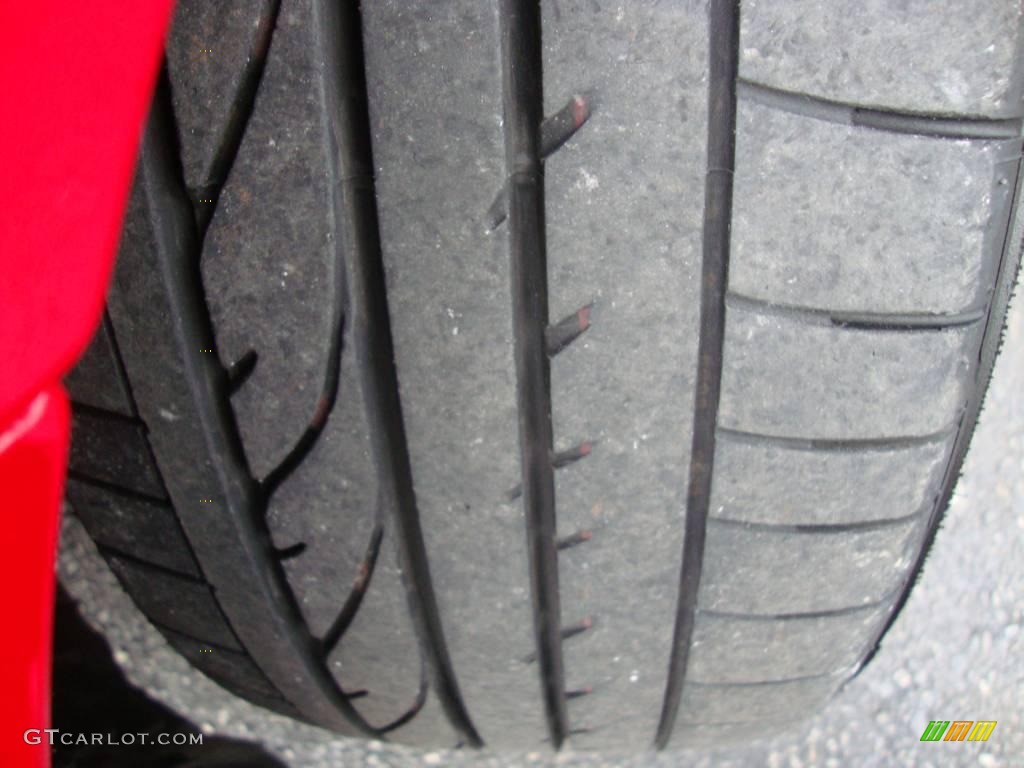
92, 696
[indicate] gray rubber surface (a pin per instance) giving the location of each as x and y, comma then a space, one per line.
950, 655
328, 203
900, 56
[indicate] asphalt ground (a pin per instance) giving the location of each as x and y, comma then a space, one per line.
955, 653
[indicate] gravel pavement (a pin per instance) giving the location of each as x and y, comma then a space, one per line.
955, 653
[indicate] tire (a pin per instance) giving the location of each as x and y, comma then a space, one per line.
649, 446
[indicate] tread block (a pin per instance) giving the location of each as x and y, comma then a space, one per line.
781, 572
96, 380
207, 49
789, 699
958, 57
624, 204
113, 450
783, 376
234, 671
143, 529
775, 483
269, 265
175, 602
449, 295
835, 217
736, 650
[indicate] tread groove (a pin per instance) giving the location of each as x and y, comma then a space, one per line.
520, 31
823, 528
240, 370
574, 539
763, 683
414, 709
242, 106
128, 493
355, 206
833, 612
109, 551
189, 636
308, 439
554, 132
290, 552
578, 693
723, 33
122, 373
565, 633
567, 330
937, 126
350, 608
559, 460
837, 445
104, 413
861, 321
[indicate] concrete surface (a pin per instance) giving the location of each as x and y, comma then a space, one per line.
954, 654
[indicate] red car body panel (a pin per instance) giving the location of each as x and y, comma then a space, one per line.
75, 84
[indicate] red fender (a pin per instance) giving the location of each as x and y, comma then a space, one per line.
75, 83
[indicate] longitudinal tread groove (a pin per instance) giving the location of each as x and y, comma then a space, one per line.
355, 204
520, 30
921, 124
863, 321
723, 36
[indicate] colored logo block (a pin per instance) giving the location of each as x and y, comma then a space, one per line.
959, 730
